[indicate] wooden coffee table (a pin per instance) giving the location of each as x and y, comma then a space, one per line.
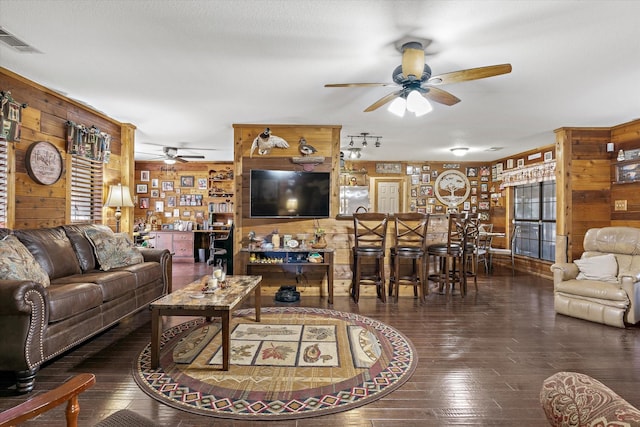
221, 304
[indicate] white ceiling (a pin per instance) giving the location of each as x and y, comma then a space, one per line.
184, 71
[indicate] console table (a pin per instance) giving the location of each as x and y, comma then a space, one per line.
290, 257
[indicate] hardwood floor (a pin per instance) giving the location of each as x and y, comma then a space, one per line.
482, 360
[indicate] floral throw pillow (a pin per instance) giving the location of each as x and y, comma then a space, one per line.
17, 263
113, 250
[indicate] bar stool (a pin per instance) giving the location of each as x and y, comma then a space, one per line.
214, 251
370, 232
471, 247
449, 256
410, 243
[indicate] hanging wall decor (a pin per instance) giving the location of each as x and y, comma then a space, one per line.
88, 142
10, 117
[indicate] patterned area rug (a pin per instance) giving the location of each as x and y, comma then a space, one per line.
297, 362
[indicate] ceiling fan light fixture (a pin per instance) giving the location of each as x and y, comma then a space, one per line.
417, 104
459, 151
398, 106
169, 161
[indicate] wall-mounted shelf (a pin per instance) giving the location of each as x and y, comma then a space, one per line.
627, 171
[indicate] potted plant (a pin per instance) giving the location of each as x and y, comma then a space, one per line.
320, 242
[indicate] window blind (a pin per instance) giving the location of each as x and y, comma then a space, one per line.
86, 190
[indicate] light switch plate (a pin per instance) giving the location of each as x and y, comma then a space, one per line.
620, 205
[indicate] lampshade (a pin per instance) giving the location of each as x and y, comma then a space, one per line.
398, 106
119, 196
415, 103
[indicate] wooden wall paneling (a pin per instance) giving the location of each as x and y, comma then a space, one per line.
45, 120
326, 139
626, 135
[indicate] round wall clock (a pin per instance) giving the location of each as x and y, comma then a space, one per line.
44, 163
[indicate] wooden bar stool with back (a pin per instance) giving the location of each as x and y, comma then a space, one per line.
410, 244
449, 256
370, 236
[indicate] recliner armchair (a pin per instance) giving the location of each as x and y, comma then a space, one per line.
590, 295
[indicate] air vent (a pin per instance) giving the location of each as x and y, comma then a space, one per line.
12, 41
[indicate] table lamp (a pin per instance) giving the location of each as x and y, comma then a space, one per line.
119, 196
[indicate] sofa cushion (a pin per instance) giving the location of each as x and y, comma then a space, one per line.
145, 273
52, 249
113, 250
70, 299
17, 263
603, 268
592, 289
571, 398
112, 284
81, 244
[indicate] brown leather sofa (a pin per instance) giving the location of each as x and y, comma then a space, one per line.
38, 323
590, 295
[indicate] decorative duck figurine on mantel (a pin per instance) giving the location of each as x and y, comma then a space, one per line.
306, 149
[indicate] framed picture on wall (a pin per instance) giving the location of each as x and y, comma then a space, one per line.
155, 193
509, 163
167, 185
144, 203
154, 183
141, 188
202, 183
144, 175
187, 181
548, 156
520, 163
159, 206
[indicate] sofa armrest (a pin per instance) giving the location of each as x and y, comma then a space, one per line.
563, 271
634, 276
163, 256
573, 399
24, 314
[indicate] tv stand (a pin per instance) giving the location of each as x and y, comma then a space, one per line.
269, 258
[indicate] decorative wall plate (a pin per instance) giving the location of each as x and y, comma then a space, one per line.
292, 243
452, 188
44, 163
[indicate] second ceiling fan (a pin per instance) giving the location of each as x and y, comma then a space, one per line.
417, 84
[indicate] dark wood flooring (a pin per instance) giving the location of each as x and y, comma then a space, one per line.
482, 360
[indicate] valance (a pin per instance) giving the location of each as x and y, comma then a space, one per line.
529, 174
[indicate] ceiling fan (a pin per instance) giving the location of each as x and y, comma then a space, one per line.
417, 84
170, 155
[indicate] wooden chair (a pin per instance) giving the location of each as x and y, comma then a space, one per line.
484, 243
471, 248
507, 252
68, 393
410, 243
370, 237
449, 256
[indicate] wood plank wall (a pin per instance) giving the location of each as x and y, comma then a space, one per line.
625, 137
36, 205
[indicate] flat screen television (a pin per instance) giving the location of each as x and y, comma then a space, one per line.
289, 194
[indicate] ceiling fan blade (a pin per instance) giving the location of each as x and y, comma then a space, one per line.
380, 102
179, 159
357, 84
413, 60
440, 96
470, 74
186, 156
